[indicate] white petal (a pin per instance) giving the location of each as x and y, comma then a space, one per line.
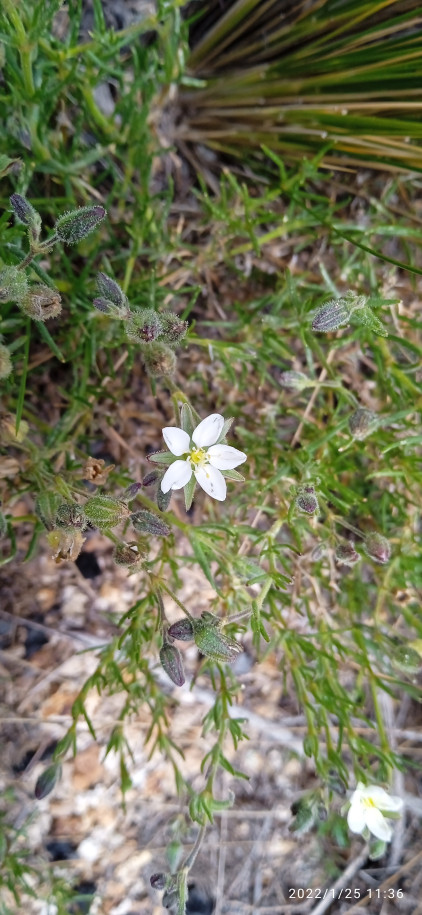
208, 430
382, 800
176, 476
176, 440
225, 457
377, 824
356, 820
212, 481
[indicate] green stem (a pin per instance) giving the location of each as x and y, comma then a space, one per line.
25, 49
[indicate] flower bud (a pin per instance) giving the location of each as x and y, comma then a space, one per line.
210, 640
41, 302
182, 630
151, 478
377, 547
171, 662
362, 422
26, 213
295, 380
159, 359
70, 516
129, 556
131, 492
144, 325
73, 226
111, 290
306, 501
46, 507
173, 328
105, 512
47, 780
337, 313
346, 554
147, 523
158, 881
13, 284
163, 499
104, 306
5, 362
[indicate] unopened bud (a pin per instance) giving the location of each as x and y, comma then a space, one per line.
47, 781
26, 213
111, 290
182, 630
295, 380
74, 226
362, 422
71, 516
306, 501
105, 512
5, 362
159, 359
158, 881
151, 478
144, 325
377, 547
337, 313
346, 554
131, 492
128, 556
13, 284
147, 523
41, 303
172, 664
104, 306
210, 640
173, 328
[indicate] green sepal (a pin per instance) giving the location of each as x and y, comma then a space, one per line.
233, 475
189, 490
162, 457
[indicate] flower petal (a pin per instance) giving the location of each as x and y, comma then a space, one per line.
176, 476
208, 430
176, 440
377, 824
356, 819
212, 481
225, 457
382, 800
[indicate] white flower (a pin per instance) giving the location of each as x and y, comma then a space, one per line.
200, 455
368, 808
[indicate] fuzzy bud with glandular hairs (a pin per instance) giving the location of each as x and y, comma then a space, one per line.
112, 300
144, 325
25, 212
182, 630
158, 881
172, 664
70, 516
306, 501
147, 523
159, 359
131, 492
362, 422
151, 478
5, 362
105, 512
210, 640
47, 781
337, 312
295, 380
346, 554
377, 547
41, 303
74, 226
13, 284
173, 329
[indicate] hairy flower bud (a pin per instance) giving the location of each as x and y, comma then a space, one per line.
26, 213
41, 302
210, 640
159, 359
71, 516
182, 630
173, 329
172, 664
111, 290
131, 492
47, 781
337, 312
151, 478
126, 554
295, 380
144, 325
362, 422
163, 499
306, 500
147, 523
5, 362
158, 881
377, 547
346, 554
13, 284
73, 226
105, 512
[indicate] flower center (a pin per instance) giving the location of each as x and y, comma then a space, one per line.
198, 457
368, 802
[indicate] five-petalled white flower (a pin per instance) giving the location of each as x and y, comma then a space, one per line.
368, 808
200, 455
